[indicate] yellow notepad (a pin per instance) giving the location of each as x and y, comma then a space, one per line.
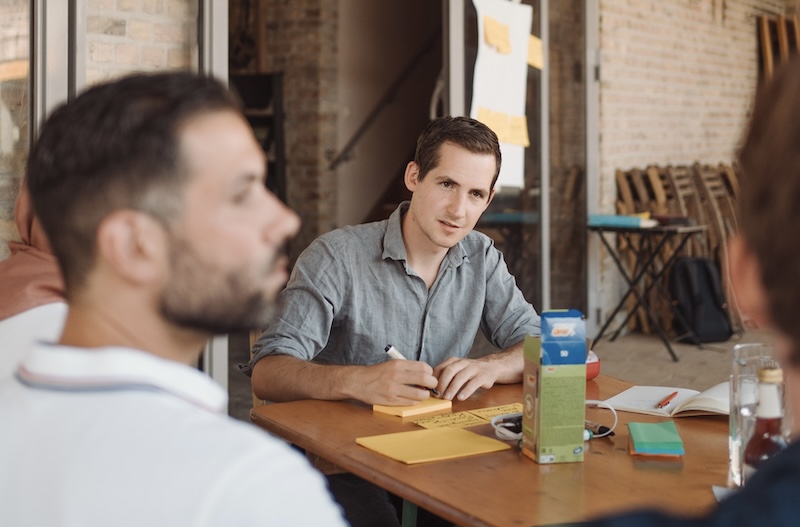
427, 406
432, 444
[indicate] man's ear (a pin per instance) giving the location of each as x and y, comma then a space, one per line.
746, 283
133, 244
411, 177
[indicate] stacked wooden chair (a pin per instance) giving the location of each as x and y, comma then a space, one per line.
720, 211
705, 194
778, 40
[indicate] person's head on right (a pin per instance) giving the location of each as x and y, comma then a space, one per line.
765, 257
167, 157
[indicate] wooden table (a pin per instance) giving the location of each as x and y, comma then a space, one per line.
507, 488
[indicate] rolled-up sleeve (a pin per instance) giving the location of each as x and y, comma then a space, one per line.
507, 316
305, 309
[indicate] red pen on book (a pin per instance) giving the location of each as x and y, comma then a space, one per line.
666, 400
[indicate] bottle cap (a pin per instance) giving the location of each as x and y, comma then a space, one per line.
770, 375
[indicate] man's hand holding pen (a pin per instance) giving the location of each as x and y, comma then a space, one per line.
393, 382
458, 378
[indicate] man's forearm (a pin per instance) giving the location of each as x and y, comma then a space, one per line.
509, 363
281, 378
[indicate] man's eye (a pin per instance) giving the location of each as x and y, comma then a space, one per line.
446, 184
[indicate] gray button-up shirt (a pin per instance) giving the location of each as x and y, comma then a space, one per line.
352, 292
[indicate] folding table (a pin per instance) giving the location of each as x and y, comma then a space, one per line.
652, 242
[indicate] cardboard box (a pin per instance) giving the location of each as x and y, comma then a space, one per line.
554, 389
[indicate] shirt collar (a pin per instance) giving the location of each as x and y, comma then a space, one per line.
64, 368
394, 248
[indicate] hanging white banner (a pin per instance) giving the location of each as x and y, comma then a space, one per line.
499, 83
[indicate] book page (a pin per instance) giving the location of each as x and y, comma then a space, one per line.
714, 400
644, 399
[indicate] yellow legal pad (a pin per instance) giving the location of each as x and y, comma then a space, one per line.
431, 404
433, 444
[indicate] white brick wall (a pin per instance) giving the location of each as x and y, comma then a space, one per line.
14, 39
136, 35
677, 78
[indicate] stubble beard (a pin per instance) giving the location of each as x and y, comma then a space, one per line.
203, 297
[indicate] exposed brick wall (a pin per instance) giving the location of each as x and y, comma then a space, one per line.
677, 80
301, 42
138, 35
14, 52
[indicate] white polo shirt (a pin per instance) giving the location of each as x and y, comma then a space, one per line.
18, 333
120, 437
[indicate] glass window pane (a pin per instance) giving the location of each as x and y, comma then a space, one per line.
14, 109
513, 217
124, 36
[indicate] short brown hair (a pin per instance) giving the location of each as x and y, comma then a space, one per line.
769, 202
116, 146
467, 133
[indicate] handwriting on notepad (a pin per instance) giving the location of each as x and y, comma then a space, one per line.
454, 420
494, 411
465, 419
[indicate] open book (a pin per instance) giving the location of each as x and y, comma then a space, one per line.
645, 399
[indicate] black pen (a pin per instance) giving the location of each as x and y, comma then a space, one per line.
393, 353
596, 428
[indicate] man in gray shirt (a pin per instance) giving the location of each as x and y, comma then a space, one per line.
422, 281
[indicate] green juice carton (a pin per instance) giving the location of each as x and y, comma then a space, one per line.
554, 389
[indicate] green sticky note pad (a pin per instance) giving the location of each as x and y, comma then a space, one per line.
656, 438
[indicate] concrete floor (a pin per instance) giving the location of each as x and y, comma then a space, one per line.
641, 359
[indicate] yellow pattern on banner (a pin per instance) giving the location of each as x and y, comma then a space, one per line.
518, 130
512, 129
535, 56
496, 34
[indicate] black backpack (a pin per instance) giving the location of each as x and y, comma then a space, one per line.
696, 291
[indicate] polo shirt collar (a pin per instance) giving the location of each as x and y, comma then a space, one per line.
394, 248
64, 368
